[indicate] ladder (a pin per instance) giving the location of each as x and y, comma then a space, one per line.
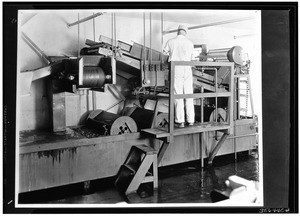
139, 167
242, 95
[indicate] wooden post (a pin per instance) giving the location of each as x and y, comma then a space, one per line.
140, 174
171, 102
155, 172
162, 151
203, 133
217, 147
155, 112
231, 96
216, 90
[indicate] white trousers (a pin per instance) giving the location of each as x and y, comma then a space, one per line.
183, 84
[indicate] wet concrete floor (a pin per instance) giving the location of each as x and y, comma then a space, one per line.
183, 183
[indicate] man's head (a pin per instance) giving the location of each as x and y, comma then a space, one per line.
182, 30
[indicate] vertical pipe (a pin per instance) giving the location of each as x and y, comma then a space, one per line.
87, 101
233, 106
202, 104
112, 29
150, 18
78, 52
113, 59
144, 47
231, 95
234, 142
93, 92
115, 29
216, 87
238, 97
94, 100
162, 35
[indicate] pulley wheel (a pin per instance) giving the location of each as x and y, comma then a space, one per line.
222, 115
235, 54
111, 124
161, 120
123, 125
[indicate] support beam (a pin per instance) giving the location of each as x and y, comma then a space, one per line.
203, 95
35, 48
217, 147
171, 102
162, 151
28, 17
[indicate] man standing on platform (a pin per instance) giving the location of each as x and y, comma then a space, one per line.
181, 49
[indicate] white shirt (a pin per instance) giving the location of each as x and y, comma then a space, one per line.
179, 49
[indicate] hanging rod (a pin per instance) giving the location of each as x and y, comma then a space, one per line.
35, 48
85, 19
212, 24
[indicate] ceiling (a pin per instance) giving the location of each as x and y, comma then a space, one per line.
206, 16
197, 17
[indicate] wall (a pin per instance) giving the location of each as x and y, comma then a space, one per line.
49, 31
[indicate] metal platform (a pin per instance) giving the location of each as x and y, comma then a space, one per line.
196, 128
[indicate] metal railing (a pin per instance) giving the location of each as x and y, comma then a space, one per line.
201, 95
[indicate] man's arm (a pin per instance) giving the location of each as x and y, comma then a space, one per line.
192, 51
166, 49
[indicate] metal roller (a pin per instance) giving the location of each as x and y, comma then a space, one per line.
234, 54
111, 124
92, 77
142, 117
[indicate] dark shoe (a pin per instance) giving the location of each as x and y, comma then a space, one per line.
180, 125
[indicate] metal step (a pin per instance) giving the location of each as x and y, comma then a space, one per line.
145, 149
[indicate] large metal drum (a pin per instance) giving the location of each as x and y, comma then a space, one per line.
110, 124
234, 54
144, 117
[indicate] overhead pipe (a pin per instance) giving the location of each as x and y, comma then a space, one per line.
212, 24
242, 36
85, 19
